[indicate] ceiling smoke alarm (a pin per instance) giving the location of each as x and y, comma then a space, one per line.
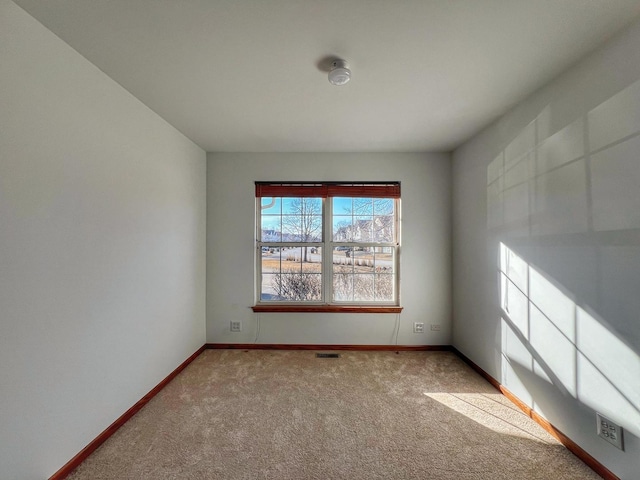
340, 73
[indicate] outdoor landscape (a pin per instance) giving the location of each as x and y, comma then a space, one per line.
362, 252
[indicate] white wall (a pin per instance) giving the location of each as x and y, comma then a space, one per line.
102, 249
546, 229
425, 261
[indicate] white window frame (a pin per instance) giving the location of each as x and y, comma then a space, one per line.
327, 246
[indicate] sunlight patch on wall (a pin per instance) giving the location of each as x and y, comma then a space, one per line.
562, 147
614, 187
616, 118
581, 178
605, 364
566, 197
545, 332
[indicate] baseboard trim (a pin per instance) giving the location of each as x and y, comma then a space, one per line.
111, 429
296, 346
572, 446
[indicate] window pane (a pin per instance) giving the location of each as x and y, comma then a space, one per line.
384, 229
271, 205
383, 258
363, 274
271, 219
299, 286
302, 206
342, 284
302, 219
267, 290
271, 228
342, 206
384, 285
290, 206
353, 229
362, 229
291, 228
292, 260
342, 228
362, 206
270, 260
363, 288
383, 206
342, 255
291, 219
291, 273
312, 257
363, 220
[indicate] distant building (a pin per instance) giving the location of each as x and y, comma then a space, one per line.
379, 229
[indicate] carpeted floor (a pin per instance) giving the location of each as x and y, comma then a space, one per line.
263, 414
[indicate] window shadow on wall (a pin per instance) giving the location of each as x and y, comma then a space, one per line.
564, 208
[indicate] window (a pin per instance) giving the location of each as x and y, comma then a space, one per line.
327, 244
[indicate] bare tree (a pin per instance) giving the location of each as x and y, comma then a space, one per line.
304, 220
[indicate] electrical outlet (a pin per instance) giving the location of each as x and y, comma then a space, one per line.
236, 326
418, 327
435, 328
609, 431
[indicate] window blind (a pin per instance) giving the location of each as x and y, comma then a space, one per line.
331, 189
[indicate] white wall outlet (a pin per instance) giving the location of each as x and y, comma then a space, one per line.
418, 327
609, 431
435, 328
236, 326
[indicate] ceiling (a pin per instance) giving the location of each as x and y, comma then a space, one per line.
247, 75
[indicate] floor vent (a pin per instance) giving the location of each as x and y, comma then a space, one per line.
327, 355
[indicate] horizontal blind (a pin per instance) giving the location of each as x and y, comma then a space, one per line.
290, 190
375, 190
391, 190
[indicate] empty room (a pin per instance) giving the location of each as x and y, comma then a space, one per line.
289, 239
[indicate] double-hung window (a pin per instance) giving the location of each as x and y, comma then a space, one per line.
327, 244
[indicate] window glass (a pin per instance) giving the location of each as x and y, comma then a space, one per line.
360, 236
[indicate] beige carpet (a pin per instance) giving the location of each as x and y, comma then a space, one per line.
256, 414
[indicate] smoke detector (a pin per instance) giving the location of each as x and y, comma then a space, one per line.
339, 73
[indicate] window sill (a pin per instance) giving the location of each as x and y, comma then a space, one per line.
326, 309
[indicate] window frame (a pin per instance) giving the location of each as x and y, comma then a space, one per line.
326, 192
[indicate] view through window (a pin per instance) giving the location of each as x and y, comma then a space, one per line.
328, 243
